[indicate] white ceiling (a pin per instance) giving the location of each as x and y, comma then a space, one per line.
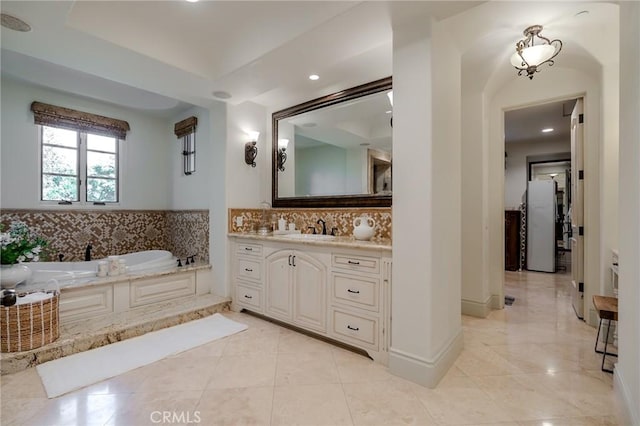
163, 56
526, 124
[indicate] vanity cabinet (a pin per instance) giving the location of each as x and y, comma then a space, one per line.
296, 289
248, 276
339, 293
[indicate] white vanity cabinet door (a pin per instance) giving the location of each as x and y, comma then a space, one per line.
309, 278
279, 285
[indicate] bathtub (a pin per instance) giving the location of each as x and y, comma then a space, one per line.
66, 273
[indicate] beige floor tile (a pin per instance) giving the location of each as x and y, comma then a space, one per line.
526, 397
250, 343
355, 368
240, 406
241, 371
78, 409
307, 368
23, 384
176, 374
460, 403
573, 421
531, 363
386, 403
152, 408
310, 405
16, 411
293, 342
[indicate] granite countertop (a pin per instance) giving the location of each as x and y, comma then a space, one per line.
338, 241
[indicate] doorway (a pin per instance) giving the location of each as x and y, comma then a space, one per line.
539, 153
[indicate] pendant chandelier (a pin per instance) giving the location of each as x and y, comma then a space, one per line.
530, 56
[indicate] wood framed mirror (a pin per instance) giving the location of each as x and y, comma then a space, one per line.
335, 151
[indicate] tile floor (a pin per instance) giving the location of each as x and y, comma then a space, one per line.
529, 364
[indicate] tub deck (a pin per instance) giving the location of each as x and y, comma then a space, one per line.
112, 309
81, 336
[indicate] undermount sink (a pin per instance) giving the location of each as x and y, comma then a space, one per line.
309, 237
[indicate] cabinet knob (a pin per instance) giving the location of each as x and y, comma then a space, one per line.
353, 291
248, 297
248, 270
248, 249
352, 262
352, 328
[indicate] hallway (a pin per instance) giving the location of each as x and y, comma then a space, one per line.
529, 364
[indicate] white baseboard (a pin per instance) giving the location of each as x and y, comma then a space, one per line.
476, 309
630, 412
496, 302
426, 372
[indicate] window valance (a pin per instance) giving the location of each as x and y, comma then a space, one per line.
55, 116
185, 127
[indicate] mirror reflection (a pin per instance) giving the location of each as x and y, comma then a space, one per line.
339, 152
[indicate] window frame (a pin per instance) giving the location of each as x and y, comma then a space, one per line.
82, 175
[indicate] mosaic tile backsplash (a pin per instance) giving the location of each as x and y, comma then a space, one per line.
111, 232
342, 219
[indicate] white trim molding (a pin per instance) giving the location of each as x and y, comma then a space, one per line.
426, 372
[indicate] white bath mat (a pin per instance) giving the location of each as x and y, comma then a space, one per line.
85, 368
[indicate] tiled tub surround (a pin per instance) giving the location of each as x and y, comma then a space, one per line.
112, 309
303, 218
112, 232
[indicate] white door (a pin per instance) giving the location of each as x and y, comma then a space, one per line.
279, 284
577, 208
310, 294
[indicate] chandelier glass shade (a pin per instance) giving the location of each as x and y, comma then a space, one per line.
530, 56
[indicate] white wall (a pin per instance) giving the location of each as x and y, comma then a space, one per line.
627, 370
144, 174
426, 330
515, 175
186, 190
475, 292
245, 189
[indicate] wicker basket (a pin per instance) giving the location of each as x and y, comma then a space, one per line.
30, 325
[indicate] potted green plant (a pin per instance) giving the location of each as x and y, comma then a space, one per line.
19, 244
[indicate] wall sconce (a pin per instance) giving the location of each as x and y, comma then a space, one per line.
186, 129
282, 153
250, 149
529, 57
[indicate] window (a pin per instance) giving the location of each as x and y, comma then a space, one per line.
78, 166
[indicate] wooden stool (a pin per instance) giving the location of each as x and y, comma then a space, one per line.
607, 308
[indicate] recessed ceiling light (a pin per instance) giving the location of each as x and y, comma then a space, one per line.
192, 1
314, 77
388, 112
547, 130
221, 94
13, 23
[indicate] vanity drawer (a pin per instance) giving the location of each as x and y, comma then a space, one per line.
249, 268
249, 296
249, 249
361, 292
357, 263
356, 329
